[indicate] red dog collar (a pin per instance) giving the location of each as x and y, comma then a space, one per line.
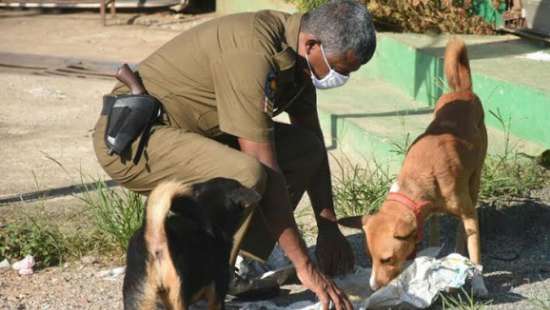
416, 209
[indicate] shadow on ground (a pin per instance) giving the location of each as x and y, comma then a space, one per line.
516, 251
515, 246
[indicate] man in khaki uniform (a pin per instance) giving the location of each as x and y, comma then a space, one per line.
220, 84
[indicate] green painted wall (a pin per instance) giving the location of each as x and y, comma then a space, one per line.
416, 73
421, 76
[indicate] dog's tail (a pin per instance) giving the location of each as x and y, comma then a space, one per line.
158, 206
457, 66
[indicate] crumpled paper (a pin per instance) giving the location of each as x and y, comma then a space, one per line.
418, 285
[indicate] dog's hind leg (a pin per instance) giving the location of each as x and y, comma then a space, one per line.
148, 300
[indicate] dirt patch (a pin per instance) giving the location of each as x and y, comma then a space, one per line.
45, 129
77, 285
130, 37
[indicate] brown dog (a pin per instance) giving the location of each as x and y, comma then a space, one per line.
440, 174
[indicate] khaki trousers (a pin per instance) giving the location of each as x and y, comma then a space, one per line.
175, 153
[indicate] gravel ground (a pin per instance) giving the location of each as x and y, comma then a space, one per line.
516, 254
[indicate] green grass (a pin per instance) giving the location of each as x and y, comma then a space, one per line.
47, 243
508, 173
359, 189
118, 213
462, 301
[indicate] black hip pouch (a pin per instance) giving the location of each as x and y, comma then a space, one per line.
129, 117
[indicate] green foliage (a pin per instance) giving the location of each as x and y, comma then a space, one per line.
401, 147
463, 301
508, 174
359, 189
45, 242
117, 213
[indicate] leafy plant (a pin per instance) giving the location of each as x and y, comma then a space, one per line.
45, 242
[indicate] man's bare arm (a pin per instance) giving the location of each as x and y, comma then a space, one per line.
320, 189
334, 253
278, 213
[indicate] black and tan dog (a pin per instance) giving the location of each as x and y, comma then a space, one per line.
182, 257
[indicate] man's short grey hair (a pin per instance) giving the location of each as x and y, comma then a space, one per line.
342, 25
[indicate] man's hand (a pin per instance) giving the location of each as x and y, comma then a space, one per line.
323, 287
334, 253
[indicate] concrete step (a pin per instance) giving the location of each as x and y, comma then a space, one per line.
376, 120
510, 75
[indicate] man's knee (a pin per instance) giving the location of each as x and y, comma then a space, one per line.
253, 175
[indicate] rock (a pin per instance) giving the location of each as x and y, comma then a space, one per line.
5, 264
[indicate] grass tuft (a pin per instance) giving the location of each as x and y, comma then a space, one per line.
509, 174
359, 189
118, 212
47, 243
463, 301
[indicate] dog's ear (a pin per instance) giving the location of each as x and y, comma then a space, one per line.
405, 228
356, 222
244, 197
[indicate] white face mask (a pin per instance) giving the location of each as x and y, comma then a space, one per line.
331, 80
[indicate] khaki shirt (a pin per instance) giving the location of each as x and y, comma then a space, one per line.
230, 74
